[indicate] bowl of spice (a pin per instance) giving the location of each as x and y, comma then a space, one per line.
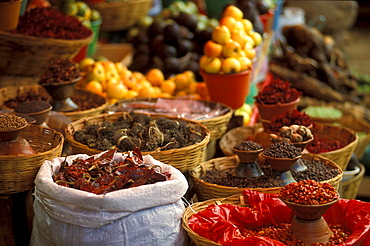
11, 127
39, 110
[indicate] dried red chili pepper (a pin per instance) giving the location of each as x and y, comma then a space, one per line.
322, 145
278, 91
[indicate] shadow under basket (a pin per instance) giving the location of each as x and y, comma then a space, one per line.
349, 188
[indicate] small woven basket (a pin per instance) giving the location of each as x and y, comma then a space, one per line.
362, 129
184, 159
345, 135
28, 56
91, 97
121, 15
200, 206
348, 189
19, 172
205, 191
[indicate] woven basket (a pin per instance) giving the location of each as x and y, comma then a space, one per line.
28, 55
121, 15
200, 206
348, 189
236, 135
362, 129
91, 97
205, 191
345, 135
11, 92
18, 172
184, 159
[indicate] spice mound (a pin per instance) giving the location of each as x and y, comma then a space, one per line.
308, 192
139, 130
103, 174
60, 71
282, 150
49, 22
248, 146
32, 107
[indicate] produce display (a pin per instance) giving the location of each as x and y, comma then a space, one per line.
82, 11
102, 175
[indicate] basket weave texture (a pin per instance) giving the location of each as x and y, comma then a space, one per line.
200, 206
205, 191
88, 96
121, 15
19, 172
24, 55
349, 188
184, 159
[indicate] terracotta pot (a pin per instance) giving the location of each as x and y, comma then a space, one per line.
267, 111
9, 15
230, 89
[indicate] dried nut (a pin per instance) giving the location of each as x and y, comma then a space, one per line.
296, 138
294, 127
302, 130
286, 132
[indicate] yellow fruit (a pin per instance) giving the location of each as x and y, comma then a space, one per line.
155, 76
117, 91
83, 10
190, 74
164, 95
131, 94
94, 86
70, 8
181, 81
147, 91
95, 15
168, 86
85, 62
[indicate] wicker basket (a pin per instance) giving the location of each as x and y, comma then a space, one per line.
91, 97
348, 189
362, 129
18, 172
28, 56
200, 206
345, 135
121, 15
11, 92
205, 191
184, 159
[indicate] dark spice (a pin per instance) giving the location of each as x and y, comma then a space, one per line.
49, 22
32, 107
290, 117
248, 145
60, 71
316, 170
278, 91
11, 122
282, 150
31, 95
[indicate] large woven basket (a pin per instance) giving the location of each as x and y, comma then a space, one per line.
362, 129
348, 189
120, 15
200, 206
28, 55
11, 92
184, 159
91, 97
18, 172
205, 191
345, 135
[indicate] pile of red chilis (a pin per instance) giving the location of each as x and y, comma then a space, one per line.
308, 192
48, 22
322, 145
278, 91
290, 117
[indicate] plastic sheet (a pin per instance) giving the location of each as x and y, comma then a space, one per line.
220, 223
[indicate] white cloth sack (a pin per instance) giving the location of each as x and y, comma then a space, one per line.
143, 215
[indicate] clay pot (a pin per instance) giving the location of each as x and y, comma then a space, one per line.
10, 135
247, 166
230, 89
40, 116
267, 111
281, 164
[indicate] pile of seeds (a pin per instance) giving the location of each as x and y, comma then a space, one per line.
248, 145
30, 95
308, 192
316, 170
10, 122
282, 150
32, 107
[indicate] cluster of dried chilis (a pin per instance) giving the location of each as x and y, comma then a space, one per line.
49, 22
60, 71
322, 145
282, 150
10, 122
290, 117
140, 130
282, 233
248, 145
31, 95
103, 174
293, 133
308, 192
278, 91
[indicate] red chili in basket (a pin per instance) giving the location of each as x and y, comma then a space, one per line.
49, 22
308, 192
277, 91
322, 145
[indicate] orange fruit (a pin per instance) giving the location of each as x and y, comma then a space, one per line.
147, 91
182, 81
155, 76
168, 86
94, 86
